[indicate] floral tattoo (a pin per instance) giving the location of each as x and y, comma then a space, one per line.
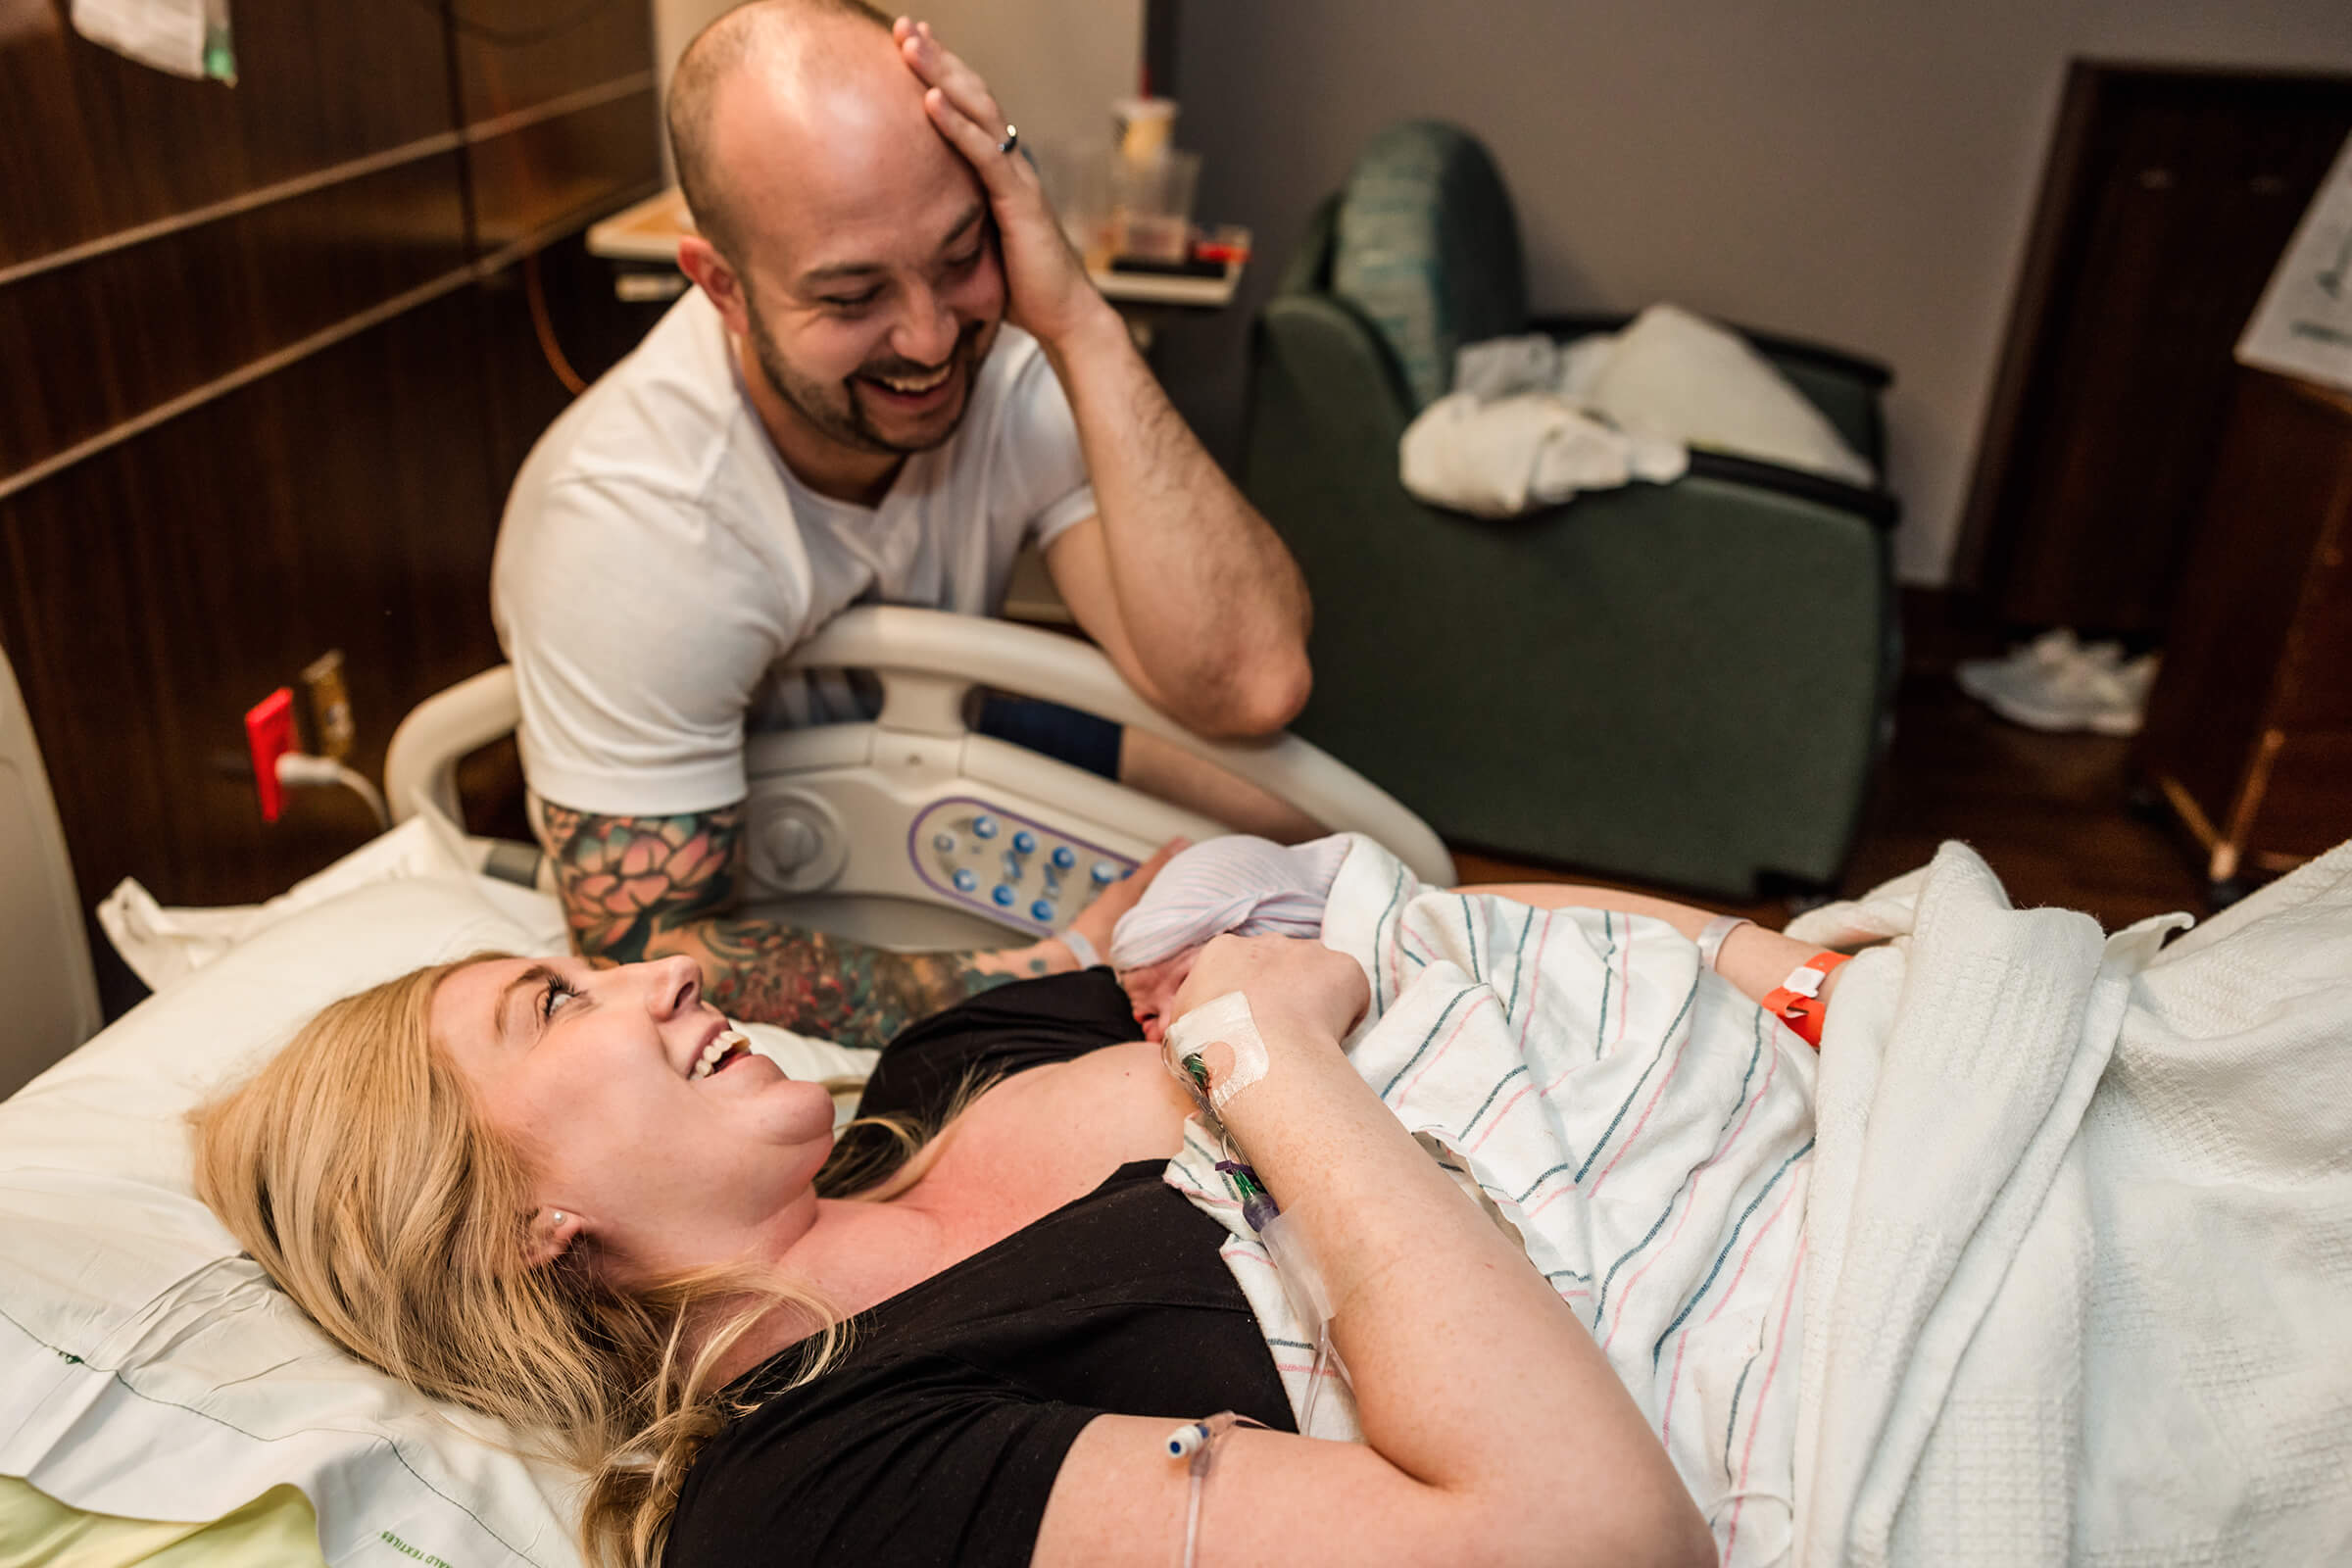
647, 887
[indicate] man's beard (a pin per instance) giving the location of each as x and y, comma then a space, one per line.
846, 422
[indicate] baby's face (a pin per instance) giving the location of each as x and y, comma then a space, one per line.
1151, 990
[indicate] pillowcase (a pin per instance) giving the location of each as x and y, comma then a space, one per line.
151, 1370
1676, 378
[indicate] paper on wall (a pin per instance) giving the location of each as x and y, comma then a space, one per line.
185, 37
2303, 327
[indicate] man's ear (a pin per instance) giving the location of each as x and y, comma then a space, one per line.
552, 1233
700, 260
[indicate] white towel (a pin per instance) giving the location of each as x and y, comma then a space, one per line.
1500, 459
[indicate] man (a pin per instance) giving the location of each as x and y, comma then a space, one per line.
892, 373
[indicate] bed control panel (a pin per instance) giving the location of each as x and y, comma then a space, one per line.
1009, 867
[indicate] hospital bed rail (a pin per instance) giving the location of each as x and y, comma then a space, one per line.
840, 818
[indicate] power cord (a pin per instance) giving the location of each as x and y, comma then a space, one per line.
297, 769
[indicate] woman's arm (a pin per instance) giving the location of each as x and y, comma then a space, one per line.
1753, 959
1494, 1431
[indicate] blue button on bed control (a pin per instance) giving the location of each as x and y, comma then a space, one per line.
966, 882
1063, 856
1106, 873
1042, 912
944, 842
1003, 895
1024, 842
984, 826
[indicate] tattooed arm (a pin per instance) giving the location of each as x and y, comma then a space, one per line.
647, 887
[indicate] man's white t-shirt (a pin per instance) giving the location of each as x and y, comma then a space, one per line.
656, 559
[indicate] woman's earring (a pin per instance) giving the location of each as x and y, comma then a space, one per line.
559, 1216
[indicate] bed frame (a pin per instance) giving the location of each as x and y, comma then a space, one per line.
907, 832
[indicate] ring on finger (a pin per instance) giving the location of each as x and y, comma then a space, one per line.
1013, 139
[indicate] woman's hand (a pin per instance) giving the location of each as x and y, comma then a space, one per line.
1049, 294
1096, 920
1293, 983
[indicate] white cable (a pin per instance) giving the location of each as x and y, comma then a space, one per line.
297, 769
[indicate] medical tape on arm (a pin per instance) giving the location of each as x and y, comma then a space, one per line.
1223, 1019
1227, 1019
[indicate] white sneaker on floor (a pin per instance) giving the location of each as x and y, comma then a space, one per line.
2057, 684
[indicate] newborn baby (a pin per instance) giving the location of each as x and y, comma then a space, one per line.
1245, 886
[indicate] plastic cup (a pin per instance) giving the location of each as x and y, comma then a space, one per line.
1152, 205
1077, 181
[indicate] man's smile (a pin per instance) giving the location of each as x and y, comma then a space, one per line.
913, 391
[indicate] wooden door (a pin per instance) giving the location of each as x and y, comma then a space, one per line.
2168, 199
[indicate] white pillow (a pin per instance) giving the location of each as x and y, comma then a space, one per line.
1676, 378
150, 1369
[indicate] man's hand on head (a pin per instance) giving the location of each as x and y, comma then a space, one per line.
1048, 293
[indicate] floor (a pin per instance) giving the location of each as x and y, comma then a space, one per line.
2052, 814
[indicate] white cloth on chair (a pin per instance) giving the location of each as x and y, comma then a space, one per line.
1532, 421
1500, 459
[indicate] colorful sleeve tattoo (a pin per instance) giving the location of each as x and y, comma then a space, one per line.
647, 887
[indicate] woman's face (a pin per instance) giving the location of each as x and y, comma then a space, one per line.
1151, 988
591, 1072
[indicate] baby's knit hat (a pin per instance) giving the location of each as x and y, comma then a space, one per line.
1248, 886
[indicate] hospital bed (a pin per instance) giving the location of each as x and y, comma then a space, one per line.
910, 831
151, 1374
2076, 1223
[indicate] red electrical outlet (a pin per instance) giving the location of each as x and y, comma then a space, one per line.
268, 734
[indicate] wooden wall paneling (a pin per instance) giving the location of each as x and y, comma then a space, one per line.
590, 328
262, 400
168, 586
117, 144
512, 54
95, 343
554, 174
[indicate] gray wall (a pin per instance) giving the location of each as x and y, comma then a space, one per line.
1859, 173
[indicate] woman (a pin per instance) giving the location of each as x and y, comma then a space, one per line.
510, 1182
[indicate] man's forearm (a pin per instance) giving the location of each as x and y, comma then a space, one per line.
1213, 604
647, 887
814, 983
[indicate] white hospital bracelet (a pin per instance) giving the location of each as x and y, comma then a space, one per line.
1712, 934
1080, 949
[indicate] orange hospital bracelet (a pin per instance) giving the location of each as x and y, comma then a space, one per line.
1797, 1001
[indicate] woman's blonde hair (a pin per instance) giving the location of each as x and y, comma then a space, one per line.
357, 1172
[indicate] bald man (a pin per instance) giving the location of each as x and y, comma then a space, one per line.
891, 375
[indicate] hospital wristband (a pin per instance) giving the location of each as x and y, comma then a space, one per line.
1711, 938
1796, 1001
1080, 949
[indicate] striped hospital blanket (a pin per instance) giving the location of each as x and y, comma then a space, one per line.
1645, 1130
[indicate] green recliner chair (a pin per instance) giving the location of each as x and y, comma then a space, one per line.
1685, 685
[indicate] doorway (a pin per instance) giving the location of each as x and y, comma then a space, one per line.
2168, 198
